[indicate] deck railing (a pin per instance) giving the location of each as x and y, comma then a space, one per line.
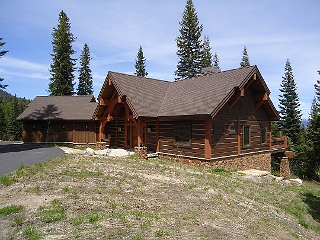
279, 142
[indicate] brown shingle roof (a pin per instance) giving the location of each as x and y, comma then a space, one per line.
60, 107
145, 95
201, 95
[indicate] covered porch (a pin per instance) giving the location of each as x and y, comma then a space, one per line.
119, 126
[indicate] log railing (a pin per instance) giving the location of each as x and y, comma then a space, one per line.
279, 142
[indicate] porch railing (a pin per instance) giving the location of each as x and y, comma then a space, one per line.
279, 142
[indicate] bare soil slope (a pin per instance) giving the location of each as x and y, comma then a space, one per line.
94, 197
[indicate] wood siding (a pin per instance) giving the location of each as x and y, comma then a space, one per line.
224, 141
85, 132
152, 136
167, 142
116, 136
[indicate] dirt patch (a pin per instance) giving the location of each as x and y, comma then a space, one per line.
115, 198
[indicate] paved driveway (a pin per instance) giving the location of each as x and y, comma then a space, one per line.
15, 154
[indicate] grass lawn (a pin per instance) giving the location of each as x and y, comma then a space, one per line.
77, 196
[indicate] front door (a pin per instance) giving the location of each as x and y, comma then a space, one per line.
130, 135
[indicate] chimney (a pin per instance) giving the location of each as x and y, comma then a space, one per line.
208, 70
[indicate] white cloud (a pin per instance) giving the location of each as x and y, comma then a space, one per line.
9, 74
16, 63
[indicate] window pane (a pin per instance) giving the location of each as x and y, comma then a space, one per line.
182, 134
263, 135
246, 138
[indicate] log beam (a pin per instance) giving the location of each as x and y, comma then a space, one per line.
253, 78
238, 94
139, 131
207, 139
270, 136
104, 102
260, 98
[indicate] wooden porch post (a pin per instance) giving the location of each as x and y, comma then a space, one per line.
139, 130
239, 136
157, 136
270, 136
207, 138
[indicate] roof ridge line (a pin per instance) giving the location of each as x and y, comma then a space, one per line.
132, 75
212, 73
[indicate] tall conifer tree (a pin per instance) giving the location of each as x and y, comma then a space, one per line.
206, 53
317, 88
140, 64
3, 52
189, 44
245, 62
85, 75
290, 114
216, 63
62, 68
314, 136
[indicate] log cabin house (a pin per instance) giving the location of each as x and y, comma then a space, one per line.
60, 119
220, 118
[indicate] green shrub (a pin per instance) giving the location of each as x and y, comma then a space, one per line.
32, 233
52, 213
6, 180
10, 209
221, 171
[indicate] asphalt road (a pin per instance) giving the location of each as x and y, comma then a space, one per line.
15, 154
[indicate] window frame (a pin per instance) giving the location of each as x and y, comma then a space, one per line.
265, 135
244, 136
232, 131
187, 131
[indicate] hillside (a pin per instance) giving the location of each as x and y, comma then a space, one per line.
92, 197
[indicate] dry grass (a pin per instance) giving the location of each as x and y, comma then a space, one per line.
114, 198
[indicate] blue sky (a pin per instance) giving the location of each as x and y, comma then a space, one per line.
272, 31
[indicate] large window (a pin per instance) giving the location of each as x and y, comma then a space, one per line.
246, 136
182, 134
263, 135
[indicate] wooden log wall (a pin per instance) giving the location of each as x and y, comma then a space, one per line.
85, 132
167, 143
225, 141
116, 136
152, 136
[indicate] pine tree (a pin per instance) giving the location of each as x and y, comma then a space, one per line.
317, 88
62, 68
3, 52
314, 136
189, 44
245, 58
206, 53
290, 114
14, 128
85, 76
140, 64
216, 61
2, 121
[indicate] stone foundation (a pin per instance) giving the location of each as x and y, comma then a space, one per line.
260, 161
141, 152
284, 168
101, 145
